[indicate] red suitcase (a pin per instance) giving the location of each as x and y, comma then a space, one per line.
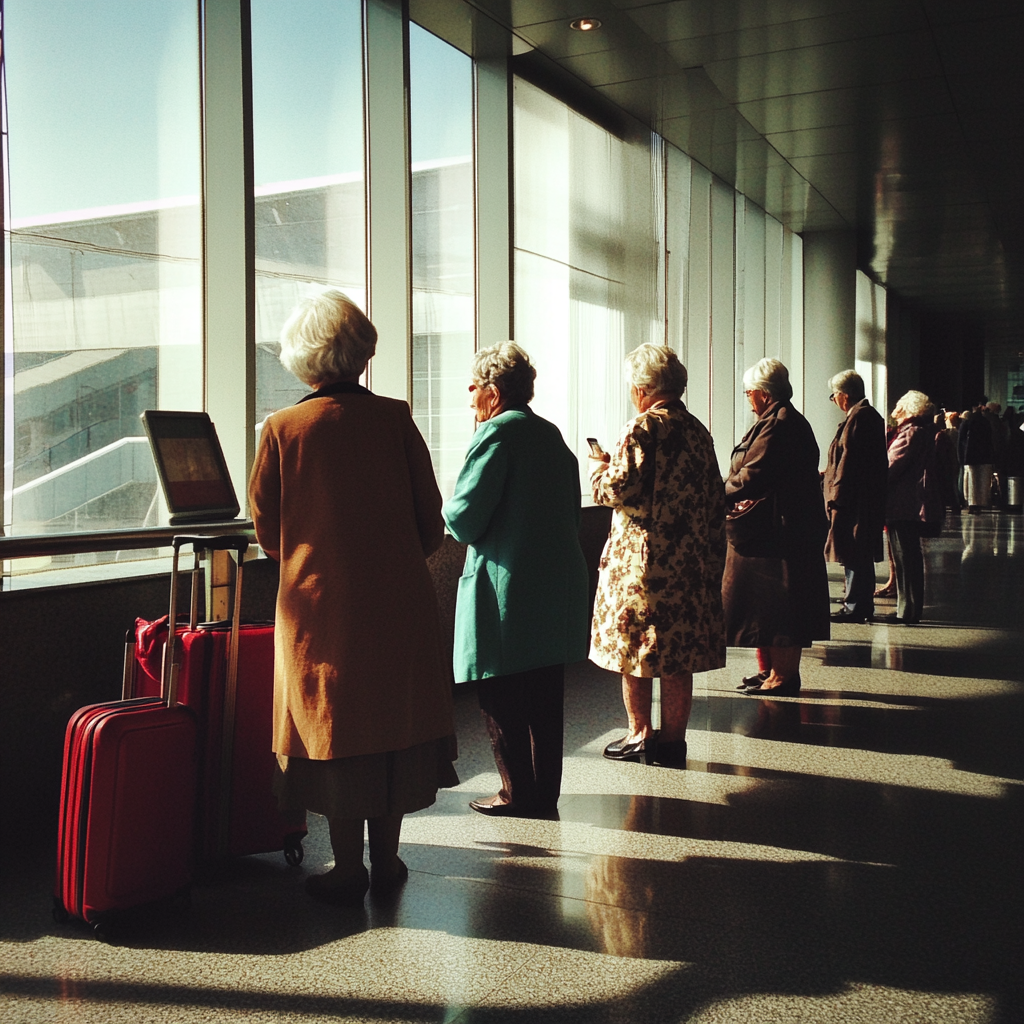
127, 811
227, 677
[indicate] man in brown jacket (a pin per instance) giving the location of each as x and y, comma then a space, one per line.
854, 491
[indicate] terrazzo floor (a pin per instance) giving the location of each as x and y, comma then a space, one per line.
853, 854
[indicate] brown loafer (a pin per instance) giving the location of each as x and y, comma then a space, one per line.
496, 807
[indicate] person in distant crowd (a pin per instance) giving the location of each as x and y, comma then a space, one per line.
947, 465
522, 604
658, 610
976, 450
775, 588
854, 493
910, 500
343, 495
953, 433
1014, 458
1000, 438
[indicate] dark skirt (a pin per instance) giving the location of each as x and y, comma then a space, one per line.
775, 602
370, 785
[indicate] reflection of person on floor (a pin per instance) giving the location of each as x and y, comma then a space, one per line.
658, 610
854, 492
521, 611
343, 495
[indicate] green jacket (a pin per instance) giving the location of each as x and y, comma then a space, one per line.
522, 600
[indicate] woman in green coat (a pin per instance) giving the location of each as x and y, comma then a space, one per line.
522, 608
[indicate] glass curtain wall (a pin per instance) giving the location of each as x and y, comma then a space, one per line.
103, 251
307, 84
589, 262
441, 124
620, 242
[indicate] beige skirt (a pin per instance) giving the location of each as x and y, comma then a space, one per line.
370, 785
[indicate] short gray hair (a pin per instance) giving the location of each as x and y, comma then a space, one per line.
656, 368
912, 405
508, 368
849, 382
772, 377
327, 337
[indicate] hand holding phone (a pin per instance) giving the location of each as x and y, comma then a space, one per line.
596, 451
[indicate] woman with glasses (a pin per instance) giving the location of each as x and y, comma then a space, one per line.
775, 589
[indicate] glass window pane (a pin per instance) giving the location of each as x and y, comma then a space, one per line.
441, 98
307, 84
104, 253
589, 224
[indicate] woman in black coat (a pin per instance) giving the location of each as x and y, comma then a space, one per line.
775, 589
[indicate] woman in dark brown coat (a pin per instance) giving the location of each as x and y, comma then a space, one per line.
775, 589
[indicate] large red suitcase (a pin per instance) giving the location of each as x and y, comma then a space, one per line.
226, 676
127, 811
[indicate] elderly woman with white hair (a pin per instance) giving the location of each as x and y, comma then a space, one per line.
775, 588
343, 495
521, 608
911, 499
658, 611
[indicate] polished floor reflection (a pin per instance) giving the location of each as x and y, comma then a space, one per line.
853, 854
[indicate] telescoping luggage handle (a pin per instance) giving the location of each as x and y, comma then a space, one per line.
171, 661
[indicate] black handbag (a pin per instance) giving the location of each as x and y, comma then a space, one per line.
751, 520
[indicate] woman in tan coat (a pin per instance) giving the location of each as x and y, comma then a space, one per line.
343, 495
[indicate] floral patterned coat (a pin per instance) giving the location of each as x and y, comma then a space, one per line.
659, 594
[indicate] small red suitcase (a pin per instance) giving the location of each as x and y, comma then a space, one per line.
127, 812
227, 677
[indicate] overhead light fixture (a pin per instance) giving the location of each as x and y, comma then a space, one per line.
584, 24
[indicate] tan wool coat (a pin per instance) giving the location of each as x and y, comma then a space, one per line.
343, 494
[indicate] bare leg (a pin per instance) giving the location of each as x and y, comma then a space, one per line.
785, 665
636, 696
764, 659
676, 702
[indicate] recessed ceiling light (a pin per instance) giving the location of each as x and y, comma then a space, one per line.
585, 24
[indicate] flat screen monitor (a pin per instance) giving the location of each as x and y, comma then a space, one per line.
190, 465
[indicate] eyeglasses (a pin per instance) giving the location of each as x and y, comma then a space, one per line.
832, 397
751, 391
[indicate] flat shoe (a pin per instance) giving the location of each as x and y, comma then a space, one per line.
496, 807
787, 688
346, 894
383, 886
671, 754
752, 682
643, 751
847, 616
885, 592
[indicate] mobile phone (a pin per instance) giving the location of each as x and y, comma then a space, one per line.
595, 447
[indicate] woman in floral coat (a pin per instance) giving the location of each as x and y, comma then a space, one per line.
659, 594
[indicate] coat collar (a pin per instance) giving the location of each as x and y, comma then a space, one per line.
341, 387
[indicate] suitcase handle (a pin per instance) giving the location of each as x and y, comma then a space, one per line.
203, 542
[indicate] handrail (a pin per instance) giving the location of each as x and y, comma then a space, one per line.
36, 545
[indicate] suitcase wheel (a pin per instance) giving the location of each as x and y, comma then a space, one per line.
60, 912
103, 929
293, 852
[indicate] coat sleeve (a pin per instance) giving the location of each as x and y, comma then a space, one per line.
623, 481
265, 493
478, 490
761, 469
426, 497
902, 451
716, 520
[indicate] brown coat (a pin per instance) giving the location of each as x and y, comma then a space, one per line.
854, 487
775, 589
343, 495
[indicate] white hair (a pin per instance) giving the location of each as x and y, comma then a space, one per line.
508, 368
912, 405
327, 337
849, 382
771, 377
656, 368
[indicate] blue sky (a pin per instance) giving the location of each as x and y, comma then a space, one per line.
103, 98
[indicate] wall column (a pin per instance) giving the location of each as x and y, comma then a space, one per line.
830, 325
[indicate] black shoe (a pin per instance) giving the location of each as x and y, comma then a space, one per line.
383, 887
788, 688
671, 754
497, 808
347, 894
752, 682
897, 620
844, 615
643, 751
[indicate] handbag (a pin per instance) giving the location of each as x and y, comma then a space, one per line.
754, 519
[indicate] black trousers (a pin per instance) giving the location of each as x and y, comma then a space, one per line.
905, 538
860, 586
524, 716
